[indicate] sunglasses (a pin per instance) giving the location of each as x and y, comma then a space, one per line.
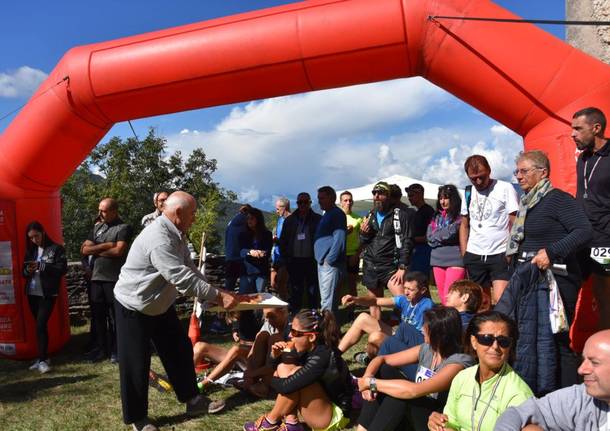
378, 192
303, 202
488, 340
295, 333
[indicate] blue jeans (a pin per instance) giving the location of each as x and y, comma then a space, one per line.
328, 280
253, 283
406, 336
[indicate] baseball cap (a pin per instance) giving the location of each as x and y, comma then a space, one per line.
415, 188
381, 186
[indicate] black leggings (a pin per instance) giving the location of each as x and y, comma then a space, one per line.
41, 308
387, 413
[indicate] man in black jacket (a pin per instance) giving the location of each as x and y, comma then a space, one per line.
296, 247
387, 237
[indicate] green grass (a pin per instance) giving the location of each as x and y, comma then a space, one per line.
77, 395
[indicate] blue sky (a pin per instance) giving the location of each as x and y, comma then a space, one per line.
277, 146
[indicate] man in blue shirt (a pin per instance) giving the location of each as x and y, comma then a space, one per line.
329, 247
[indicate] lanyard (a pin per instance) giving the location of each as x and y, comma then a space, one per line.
587, 179
474, 404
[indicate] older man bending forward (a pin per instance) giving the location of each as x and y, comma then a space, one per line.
158, 267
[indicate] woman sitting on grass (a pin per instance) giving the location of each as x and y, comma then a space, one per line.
312, 380
491, 336
412, 305
389, 396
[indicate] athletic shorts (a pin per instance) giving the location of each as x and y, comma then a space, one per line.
353, 269
376, 279
485, 269
337, 422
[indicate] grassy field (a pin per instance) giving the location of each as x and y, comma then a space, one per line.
77, 395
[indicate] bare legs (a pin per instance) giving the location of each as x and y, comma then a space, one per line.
364, 323
311, 402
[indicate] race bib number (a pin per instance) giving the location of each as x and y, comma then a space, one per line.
424, 373
601, 255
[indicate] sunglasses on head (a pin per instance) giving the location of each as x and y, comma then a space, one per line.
295, 333
488, 340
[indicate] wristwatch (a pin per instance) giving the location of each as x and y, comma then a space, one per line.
402, 267
373, 384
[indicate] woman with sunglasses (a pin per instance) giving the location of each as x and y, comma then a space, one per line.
480, 394
43, 266
390, 398
443, 237
312, 380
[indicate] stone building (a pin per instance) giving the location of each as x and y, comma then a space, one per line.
594, 40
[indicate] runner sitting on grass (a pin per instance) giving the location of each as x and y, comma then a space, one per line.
312, 379
464, 295
412, 305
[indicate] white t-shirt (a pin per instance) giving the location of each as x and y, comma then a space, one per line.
489, 211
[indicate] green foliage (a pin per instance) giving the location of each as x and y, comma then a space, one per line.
131, 171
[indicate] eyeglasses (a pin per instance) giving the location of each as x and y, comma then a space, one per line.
524, 171
295, 333
488, 340
379, 192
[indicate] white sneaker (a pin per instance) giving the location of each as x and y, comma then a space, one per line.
43, 367
35, 365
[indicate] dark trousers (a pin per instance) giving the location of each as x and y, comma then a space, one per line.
303, 278
102, 313
134, 333
41, 308
406, 336
387, 413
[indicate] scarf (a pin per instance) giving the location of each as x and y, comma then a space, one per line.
527, 202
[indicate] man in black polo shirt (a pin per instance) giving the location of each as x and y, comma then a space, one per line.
593, 191
420, 261
108, 244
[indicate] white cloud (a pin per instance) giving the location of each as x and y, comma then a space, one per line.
21, 82
341, 137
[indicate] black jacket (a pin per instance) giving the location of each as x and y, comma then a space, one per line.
380, 251
53, 266
289, 232
326, 367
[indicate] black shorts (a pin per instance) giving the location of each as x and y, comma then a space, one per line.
352, 269
376, 279
485, 269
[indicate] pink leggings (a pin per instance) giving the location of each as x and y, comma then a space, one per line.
445, 276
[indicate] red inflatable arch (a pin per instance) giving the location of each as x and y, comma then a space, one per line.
517, 74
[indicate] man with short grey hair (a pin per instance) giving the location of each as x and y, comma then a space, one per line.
159, 199
158, 268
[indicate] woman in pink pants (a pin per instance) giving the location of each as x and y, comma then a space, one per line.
443, 237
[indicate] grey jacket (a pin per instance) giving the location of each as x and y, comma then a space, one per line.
562, 410
158, 267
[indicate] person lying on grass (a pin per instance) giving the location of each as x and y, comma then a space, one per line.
312, 380
390, 398
464, 295
412, 305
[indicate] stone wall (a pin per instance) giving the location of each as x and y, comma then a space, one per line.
77, 288
594, 40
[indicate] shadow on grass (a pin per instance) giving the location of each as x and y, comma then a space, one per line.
25, 390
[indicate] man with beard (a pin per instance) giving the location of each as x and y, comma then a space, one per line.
487, 216
387, 238
593, 192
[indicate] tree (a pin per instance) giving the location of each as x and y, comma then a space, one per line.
131, 171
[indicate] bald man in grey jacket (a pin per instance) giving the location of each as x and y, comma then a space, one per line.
584, 407
157, 269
